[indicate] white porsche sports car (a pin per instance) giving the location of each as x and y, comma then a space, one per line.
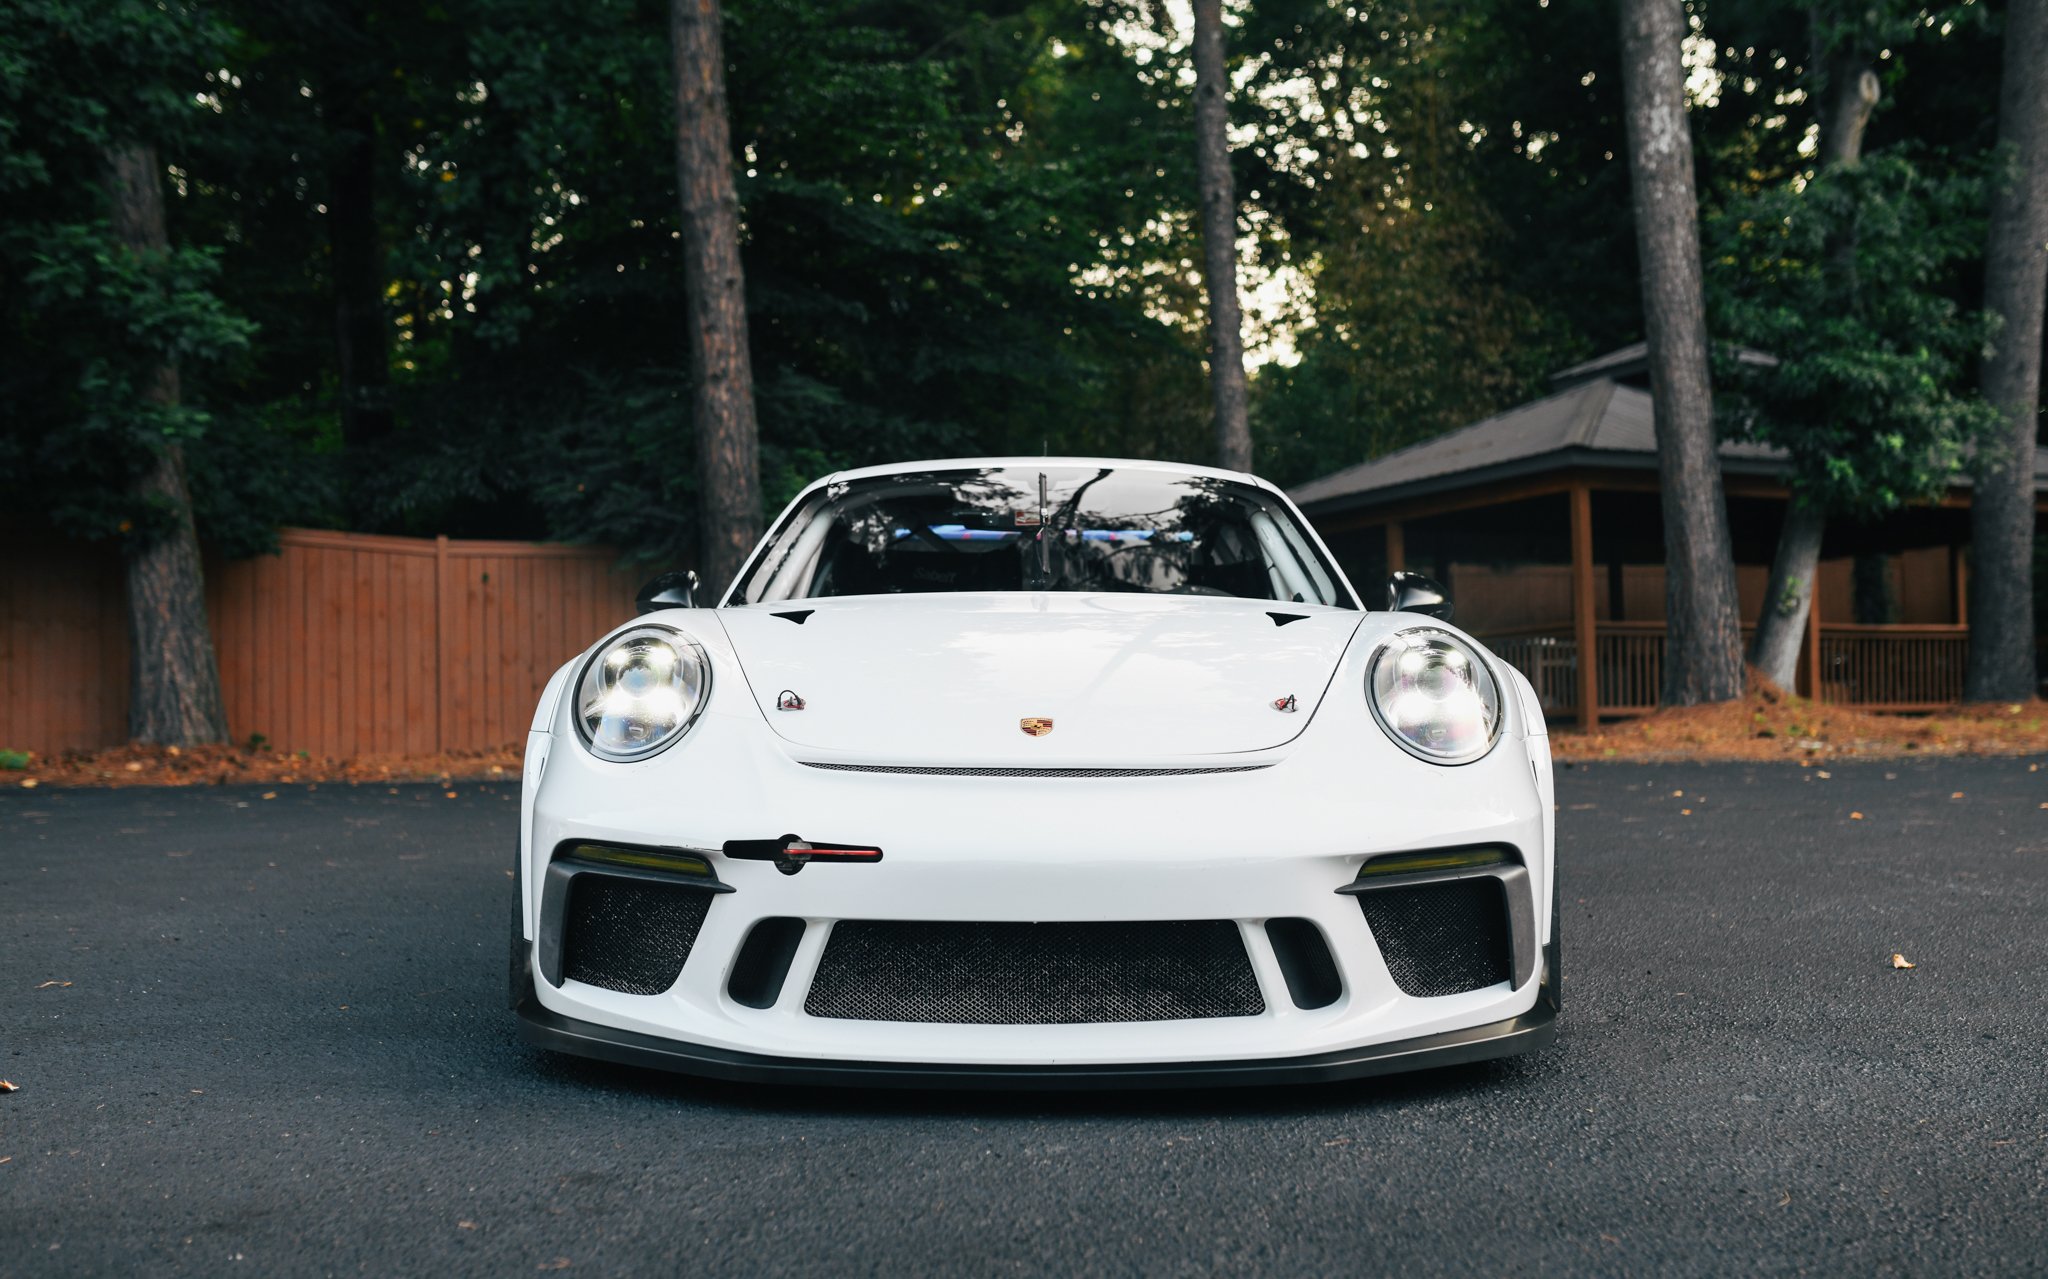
1040, 772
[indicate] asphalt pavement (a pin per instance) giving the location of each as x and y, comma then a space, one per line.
266, 1030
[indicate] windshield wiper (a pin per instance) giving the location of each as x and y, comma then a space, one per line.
1058, 520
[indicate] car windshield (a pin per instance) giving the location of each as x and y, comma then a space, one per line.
1042, 528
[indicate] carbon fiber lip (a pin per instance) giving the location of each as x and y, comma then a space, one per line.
939, 770
553, 1031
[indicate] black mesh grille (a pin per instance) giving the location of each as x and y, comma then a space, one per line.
630, 936
939, 770
1034, 974
1440, 939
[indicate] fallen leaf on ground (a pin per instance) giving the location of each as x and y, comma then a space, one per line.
559, 1263
46, 985
134, 766
451, 794
5, 1086
465, 1225
1855, 817
28, 783
270, 794
1338, 1141
1956, 795
1900, 961
1786, 1200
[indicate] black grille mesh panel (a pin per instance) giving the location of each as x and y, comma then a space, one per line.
1441, 939
1034, 974
937, 770
629, 936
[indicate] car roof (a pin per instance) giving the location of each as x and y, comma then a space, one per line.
985, 463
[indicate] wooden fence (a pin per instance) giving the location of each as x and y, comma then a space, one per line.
342, 644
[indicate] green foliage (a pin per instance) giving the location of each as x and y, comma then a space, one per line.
968, 228
1847, 280
15, 761
1443, 191
88, 323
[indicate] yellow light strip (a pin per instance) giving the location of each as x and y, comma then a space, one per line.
1408, 863
640, 859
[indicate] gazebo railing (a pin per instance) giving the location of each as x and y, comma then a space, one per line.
1549, 658
1630, 671
1880, 668
1893, 668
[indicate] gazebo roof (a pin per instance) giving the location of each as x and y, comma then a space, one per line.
1595, 422
1599, 423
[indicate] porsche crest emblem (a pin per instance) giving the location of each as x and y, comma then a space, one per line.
1035, 725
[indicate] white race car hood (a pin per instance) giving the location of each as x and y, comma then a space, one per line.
946, 680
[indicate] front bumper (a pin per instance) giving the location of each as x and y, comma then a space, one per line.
1276, 842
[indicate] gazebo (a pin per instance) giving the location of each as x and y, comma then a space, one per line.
1544, 523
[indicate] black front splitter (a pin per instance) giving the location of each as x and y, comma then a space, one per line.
551, 1030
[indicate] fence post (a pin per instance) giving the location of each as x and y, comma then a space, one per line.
443, 599
1584, 630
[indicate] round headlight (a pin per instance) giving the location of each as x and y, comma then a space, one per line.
1434, 696
641, 692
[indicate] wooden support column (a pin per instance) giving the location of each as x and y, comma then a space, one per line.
1583, 622
1810, 667
1959, 583
1397, 547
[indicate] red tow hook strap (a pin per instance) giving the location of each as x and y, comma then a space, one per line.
792, 850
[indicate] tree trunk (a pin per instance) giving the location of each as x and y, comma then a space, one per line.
174, 681
361, 341
2001, 665
1781, 630
1850, 93
1703, 651
1219, 238
722, 402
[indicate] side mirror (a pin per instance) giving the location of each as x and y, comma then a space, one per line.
1414, 593
670, 590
